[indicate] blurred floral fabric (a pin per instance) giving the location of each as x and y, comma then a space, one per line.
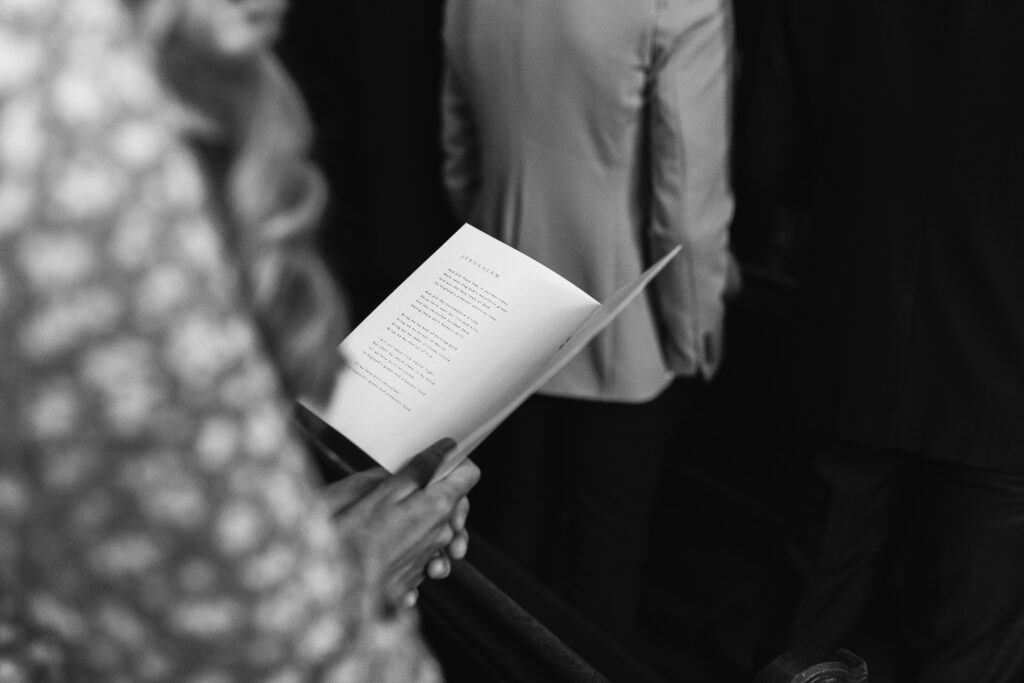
157, 521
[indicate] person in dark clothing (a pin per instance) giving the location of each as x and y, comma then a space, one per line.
896, 127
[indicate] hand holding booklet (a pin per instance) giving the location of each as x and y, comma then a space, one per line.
459, 345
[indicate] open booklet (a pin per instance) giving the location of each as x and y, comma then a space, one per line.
459, 345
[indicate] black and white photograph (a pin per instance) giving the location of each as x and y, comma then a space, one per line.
511, 341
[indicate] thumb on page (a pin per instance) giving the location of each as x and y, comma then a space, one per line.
419, 472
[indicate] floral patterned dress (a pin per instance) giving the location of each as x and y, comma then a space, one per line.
157, 521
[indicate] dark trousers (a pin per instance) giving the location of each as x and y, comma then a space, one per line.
956, 536
572, 487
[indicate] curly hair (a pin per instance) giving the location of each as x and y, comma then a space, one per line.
250, 130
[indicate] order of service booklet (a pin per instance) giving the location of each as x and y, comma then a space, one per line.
459, 345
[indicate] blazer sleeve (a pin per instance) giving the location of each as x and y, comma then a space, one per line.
692, 201
459, 135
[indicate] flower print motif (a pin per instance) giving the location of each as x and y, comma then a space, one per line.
131, 405
88, 187
122, 625
64, 322
10, 634
283, 611
270, 567
199, 244
54, 410
77, 100
25, 10
180, 503
123, 372
125, 554
286, 498
44, 655
217, 442
14, 497
321, 637
239, 527
265, 431
123, 360
136, 87
200, 350
138, 144
15, 204
319, 577
164, 489
321, 534
251, 386
179, 184
135, 238
53, 260
29, 14
161, 291
49, 612
192, 352
206, 617
349, 672
20, 59
22, 135
91, 18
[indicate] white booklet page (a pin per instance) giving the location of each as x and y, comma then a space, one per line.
462, 342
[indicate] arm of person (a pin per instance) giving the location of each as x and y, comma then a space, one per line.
158, 520
459, 135
692, 200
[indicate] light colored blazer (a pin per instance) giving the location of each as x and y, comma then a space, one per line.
593, 136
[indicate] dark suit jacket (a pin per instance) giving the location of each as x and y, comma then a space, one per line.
898, 125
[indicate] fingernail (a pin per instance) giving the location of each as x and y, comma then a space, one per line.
438, 569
